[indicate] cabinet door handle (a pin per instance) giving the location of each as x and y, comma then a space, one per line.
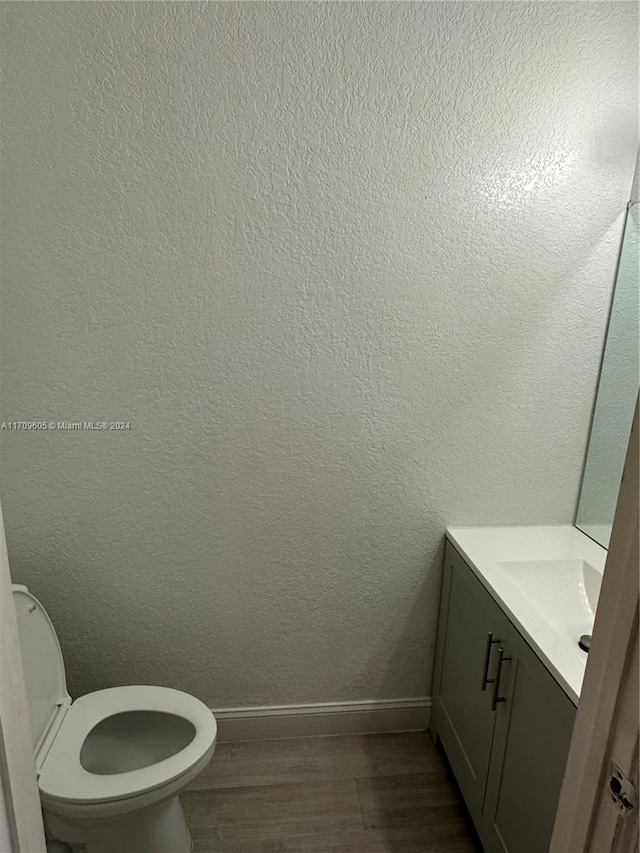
496, 684
487, 657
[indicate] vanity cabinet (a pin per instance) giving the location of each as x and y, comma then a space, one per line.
503, 721
470, 630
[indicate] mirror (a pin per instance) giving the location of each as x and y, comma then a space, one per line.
617, 391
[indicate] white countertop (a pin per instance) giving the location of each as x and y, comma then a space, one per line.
550, 626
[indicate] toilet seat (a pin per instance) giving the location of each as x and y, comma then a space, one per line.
62, 776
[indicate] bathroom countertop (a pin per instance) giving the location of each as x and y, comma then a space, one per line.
552, 630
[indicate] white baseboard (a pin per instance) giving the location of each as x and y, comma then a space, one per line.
332, 718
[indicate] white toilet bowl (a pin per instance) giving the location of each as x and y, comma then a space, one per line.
111, 764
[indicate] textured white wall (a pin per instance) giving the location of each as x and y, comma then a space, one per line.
345, 269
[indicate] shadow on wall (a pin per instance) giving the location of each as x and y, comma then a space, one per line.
413, 650
102, 609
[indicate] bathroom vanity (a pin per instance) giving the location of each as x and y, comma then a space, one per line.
509, 670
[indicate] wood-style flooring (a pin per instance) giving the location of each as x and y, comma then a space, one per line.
346, 794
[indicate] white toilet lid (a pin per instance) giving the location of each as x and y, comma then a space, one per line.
63, 778
42, 662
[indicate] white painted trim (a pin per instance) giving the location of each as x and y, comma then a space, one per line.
606, 727
268, 722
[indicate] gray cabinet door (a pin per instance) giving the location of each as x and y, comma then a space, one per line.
531, 743
461, 717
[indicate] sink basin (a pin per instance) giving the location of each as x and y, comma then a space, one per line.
563, 590
547, 580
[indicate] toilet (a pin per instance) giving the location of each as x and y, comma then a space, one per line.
111, 764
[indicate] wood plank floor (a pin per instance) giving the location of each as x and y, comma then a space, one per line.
347, 794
